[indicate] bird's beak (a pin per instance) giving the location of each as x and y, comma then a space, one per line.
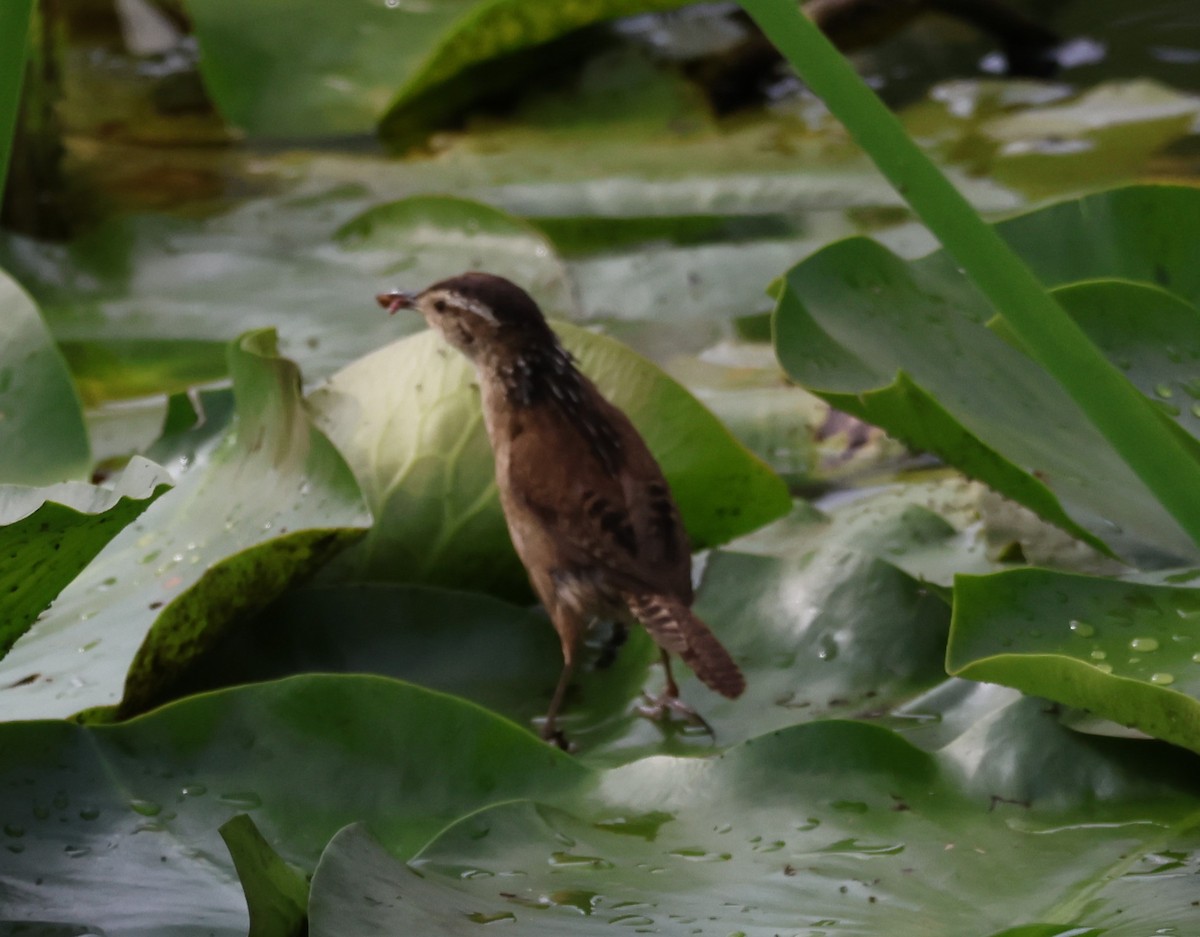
396, 299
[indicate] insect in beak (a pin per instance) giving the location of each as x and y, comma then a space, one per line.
395, 300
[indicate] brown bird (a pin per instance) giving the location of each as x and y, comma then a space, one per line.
587, 506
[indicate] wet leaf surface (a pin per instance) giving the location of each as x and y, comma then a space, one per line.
905, 345
1125, 651
47, 535
830, 827
272, 504
115, 828
662, 224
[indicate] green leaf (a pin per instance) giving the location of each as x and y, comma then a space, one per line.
904, 345
1167, 465
1083, 825
136, 367
47, 535
870, 640
500, 656
590, 234
1136, 232
42, 436
427, 238
1103, 134
270, 263
14, 34
274, 502
1126, 651
482, 51
1151, 334
276, 892
927, 529
345, 65
121, 822
832, 828
193, 427
408, 421
333, 75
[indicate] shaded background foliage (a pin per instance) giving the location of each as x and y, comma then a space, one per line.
197, 231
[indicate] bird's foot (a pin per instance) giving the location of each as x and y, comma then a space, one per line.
669, 708
558, 738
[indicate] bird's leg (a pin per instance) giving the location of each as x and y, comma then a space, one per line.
612, 644
550, 730
659, 708
672, 688
570, 633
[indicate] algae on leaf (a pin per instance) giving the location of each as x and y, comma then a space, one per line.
831, 630
271, 505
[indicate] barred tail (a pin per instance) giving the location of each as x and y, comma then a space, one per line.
675, 629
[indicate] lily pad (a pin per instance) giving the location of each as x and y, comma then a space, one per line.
274, 502
1150, 333
1135, 232
126, 368
426, 238
928, 529
904, 345
408, 421
1126, 651
1104, 136
121, 822
828, 631
116, 829
47, 535
276, 892
385, 54
500, 656
496, 30
43, 439
147, 303
831, 828
1052, 139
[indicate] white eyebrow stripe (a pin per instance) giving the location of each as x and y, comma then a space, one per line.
478, 309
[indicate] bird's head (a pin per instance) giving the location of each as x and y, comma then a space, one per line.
475, 312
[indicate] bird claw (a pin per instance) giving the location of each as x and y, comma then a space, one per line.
661, 708
559, 739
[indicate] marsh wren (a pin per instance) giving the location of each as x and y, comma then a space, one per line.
588, 509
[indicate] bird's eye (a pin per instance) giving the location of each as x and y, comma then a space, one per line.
440, 305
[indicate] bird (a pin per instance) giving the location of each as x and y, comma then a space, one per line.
589, 512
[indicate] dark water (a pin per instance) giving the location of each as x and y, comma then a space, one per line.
1103, 40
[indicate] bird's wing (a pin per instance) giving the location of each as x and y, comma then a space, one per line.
608, 508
